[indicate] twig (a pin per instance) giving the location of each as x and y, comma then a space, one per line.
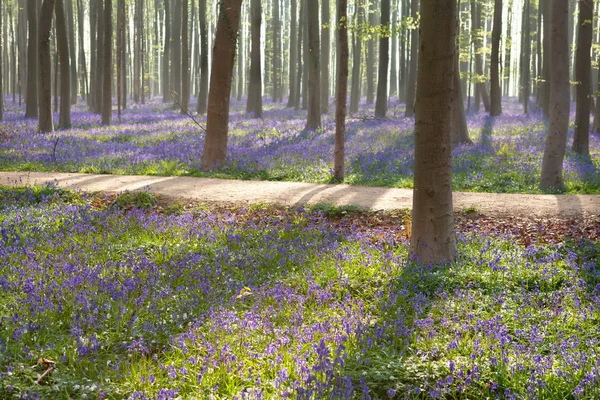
186, 112
54, 148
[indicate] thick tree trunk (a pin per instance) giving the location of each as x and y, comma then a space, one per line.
62, 43
215, 144
556, 141
495, 91
313, 120
31, 98
356, 60
325, 53
201, 108
583, 75
185, 59
412, 69
342, 90
293, 53
166, 76
384, 63
433, 239
45, 71
107, 81
254, 103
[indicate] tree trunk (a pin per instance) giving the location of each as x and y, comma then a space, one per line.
596, 127
433, 239
370, 67
276, 95
313, 120
73, 71
342, 90
526, 56
300, 77
45, 71
325, 53
31, 98
120, 53
583, 74
201, 108
176, 52
480, 88
1, 72
460, 132
185, 60
82, 62
556, 141
495, 93
215, 144
240, 59
402, 69
293, 53
356, 60
137, 52
393, 69
384, 63
254, 103
412, 69
305, 56
166, 82
99, 90
547, 62
108, 64
62, 43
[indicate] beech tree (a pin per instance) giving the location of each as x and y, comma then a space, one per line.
495, 93
556, 140
45, 122
433, 239
293, 53
254, 102
313, 120
1, 85
342, 90
108, 64
583, 75
412, 69
62, 42
481, 93
356, 59
325, 52
201, 108
384, 62
215, 143
185, 60
31, 99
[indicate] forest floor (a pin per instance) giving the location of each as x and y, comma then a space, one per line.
237, 192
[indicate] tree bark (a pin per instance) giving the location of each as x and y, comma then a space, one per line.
480, 88
495, 92
313, 120
108, 65
120, 53
342, 90
583, 74
240, 59
45, 71
547, 63
1, 72
166, 77
300, 78
556, 141
384, 63
526, 56
201, 108
215, 144
596, 127
276, 95
82, 62
31, 98
62, 43
99, 90
460, 131
433, 239
254, 103
356, 59
185, 59
176, 52
412, 69
293, 53
394, 38
137, 52
73, 57
325, 53
370, 67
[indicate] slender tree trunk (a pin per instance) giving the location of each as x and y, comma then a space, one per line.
93, 14
62, 42
480, 88
433, 239
325, 53
583, 74
313, 120
1, 72
215, 144
370, 68
596, 127
394, 38
402, 70
254, 103
82, 62
185, 60
412, 69
45, 71
166, 77
342, 90
73, 71
240, 60
356, 60
143, 53
137, 52
526, 67
384, 63
201, 108
100, 59
300, 78
460, 132
547, 62
176, 52
306, 62
108, 64
293, 53
495, 93
276, 53
556, 141
120, 53
31, 98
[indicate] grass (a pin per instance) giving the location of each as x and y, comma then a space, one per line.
276, 303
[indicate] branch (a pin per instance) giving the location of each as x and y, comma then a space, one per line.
186, 112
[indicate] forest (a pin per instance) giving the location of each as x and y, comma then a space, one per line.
317, 199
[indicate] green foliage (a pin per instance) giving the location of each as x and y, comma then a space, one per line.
135, 200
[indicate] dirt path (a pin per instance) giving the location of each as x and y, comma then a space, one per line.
294, 193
